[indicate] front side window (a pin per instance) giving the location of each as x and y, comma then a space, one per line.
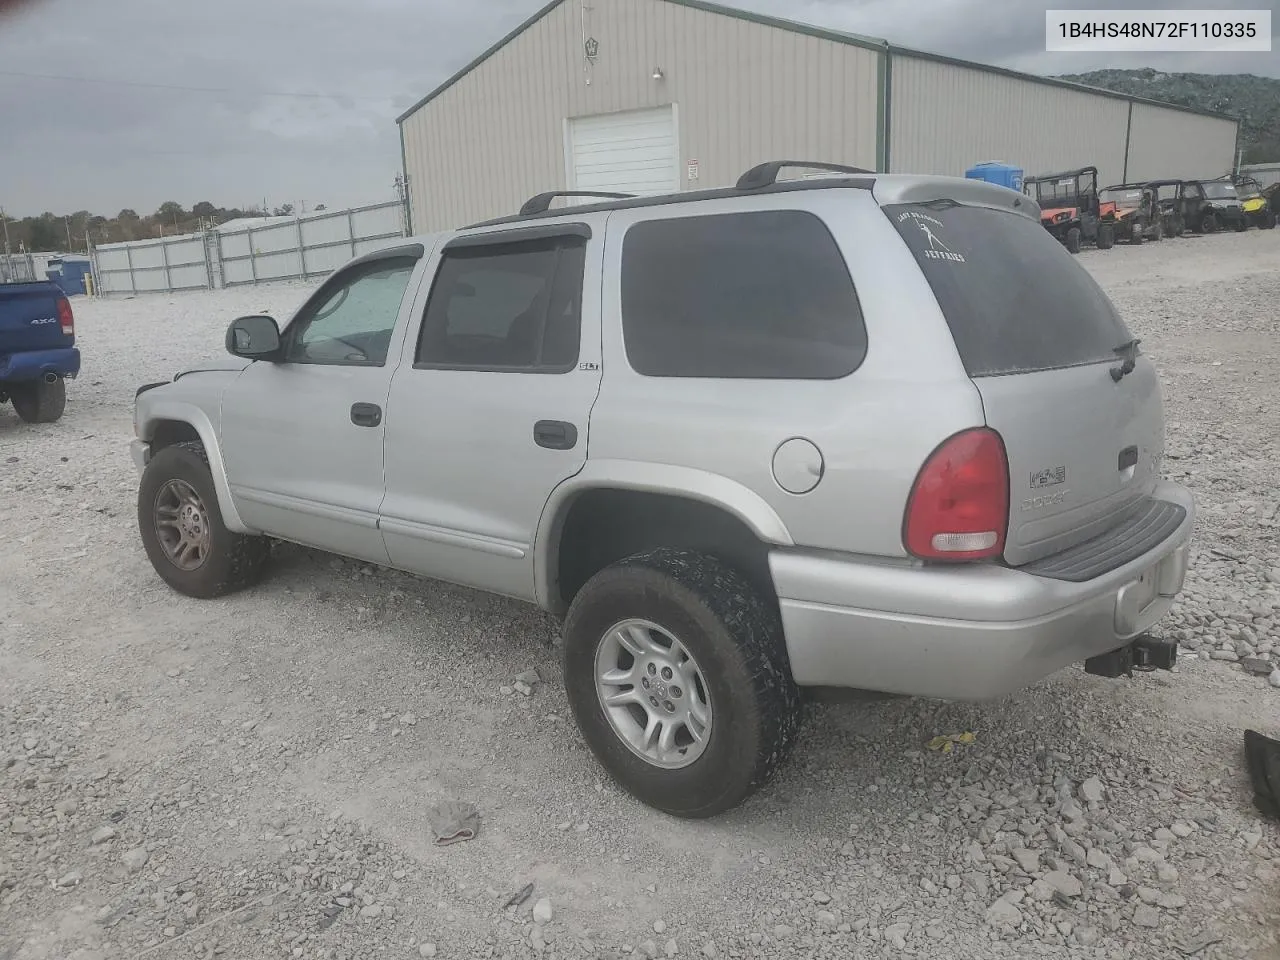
352, 318
514, 305
761, 295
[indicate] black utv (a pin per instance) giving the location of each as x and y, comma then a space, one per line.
1070, 209
1212, 205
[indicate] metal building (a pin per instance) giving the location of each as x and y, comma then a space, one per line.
653, 96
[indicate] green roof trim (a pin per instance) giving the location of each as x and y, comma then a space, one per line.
836, 36
479, 60
791, 26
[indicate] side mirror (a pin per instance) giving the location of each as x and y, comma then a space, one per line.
254, 338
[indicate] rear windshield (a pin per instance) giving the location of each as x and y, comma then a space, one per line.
1015, 300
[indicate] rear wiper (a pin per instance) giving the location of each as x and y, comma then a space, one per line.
1129, 352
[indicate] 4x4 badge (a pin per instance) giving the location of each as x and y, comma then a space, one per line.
1049, 477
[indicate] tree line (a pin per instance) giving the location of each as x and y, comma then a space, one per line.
63, 233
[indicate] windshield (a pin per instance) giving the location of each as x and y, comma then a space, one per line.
1058, 191
1217, 190
1122, 198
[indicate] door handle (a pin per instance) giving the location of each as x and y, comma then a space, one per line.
555, 434
366, 414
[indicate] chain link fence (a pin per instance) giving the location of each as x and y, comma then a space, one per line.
17, 268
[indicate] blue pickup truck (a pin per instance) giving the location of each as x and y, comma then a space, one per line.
37, 349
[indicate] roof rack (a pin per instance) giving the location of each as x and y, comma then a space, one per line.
766, 174
542, 202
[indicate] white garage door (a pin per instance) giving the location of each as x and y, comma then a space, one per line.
633, 152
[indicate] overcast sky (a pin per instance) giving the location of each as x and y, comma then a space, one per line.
131, 138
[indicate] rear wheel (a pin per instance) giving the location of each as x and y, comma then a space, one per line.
1158, 233
677, 675
1073, 240
39, 401
182, 529
1136, 234
1106, 236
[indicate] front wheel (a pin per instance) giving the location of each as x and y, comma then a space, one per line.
677, 675
39, 401
1158, 233
1268, 221
1241, 225
182, 529
1209, 223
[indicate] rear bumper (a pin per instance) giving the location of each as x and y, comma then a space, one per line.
33, 364
964, 632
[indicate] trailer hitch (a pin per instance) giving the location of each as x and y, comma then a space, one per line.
1144, 654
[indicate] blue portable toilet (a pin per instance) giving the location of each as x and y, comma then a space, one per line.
69, 273
1001, 173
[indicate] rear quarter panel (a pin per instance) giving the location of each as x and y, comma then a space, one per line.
875, 427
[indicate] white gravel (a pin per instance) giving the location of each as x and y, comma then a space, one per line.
248, 778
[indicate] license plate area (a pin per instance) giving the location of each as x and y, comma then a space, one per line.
1138, 601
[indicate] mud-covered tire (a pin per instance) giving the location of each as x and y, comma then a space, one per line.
735, 636
1268, 221
39, 401
1106, 238
1073, 240
234, 561
1157, 234
1136, 235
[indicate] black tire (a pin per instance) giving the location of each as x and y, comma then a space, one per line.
1136, 234
1241, 225
1209, 223
1106, 238
735, 636
39, 401
1073, 240
1268, 221
234, 561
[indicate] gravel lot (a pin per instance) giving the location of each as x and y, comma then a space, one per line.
250, 777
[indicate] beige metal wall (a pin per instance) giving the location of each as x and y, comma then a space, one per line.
945, 118
744, 92
1167, 143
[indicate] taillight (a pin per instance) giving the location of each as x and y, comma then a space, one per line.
65, 318
959, 506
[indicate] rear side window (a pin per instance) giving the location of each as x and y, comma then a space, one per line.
762, 295
1015, 300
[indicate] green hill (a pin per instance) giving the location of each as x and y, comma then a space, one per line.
1255, 100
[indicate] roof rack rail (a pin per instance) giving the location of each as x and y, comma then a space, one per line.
542, 202
766, 174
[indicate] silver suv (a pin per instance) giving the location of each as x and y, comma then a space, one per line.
876, 432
